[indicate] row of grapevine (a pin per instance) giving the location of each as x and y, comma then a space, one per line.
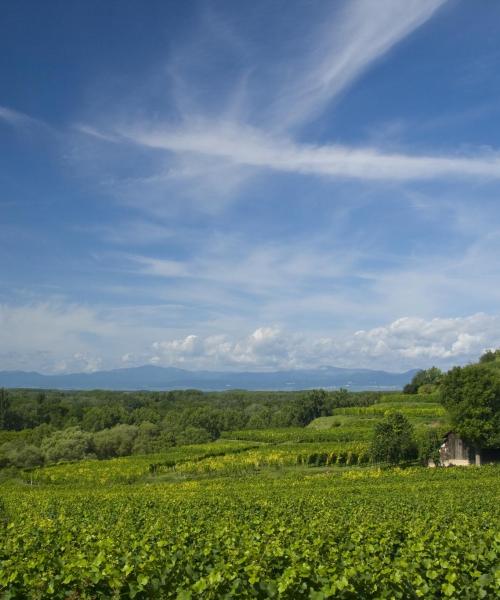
380, 410
418, 533
300, 435
285, 455
130, 469
404, 398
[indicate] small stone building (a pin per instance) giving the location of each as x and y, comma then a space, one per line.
454, 451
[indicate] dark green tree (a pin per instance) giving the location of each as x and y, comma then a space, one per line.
146, 440
193, 435
471, 395
490, 356
4, 408
425, 377
314, 405
393, 440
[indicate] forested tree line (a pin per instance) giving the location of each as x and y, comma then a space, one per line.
43, 427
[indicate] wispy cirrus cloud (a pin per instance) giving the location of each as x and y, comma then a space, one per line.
347, 44
19, 119
204, 148
210, 156
245, 146
14, 117
234, 224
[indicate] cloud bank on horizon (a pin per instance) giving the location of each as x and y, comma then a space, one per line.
222, 185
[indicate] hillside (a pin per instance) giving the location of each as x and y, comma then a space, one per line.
162, 378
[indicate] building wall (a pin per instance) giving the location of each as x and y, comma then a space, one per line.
455, 452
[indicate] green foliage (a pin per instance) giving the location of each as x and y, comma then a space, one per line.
103, 417
409, 409
20, 455
427, 379
312, 406
393, 440
471, 394
148, 439
193, 435
117, 441
4, 408
250, 516
300, 435
490, 356
429, 442
352, 534
68, 444
432, 397
191, 417
175, 410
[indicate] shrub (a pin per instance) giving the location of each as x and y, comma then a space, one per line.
393, 440
67, 444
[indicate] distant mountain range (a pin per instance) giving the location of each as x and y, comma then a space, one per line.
170, 378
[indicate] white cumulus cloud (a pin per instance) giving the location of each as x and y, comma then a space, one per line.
405, 343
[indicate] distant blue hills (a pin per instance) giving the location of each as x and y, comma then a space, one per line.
170, 378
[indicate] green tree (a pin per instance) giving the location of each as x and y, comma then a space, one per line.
490, 356
26, 457
393, 440
193, 435
146, 440
428, 443
116, 441
4, 408
144, 414
259, 416
103, 417
314, 405
67, 444
430, 378
471, 395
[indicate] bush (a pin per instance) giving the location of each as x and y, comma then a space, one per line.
20, 455
27, 457
146, 439
428, 447
68, 444
117, 441
393, 440
193, 435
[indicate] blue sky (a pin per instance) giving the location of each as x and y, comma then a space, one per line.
236, 185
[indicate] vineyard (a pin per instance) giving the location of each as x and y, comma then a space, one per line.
343, 533
298, 435
260, 513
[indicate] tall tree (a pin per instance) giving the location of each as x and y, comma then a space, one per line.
425, 377
4, 408
471, 395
